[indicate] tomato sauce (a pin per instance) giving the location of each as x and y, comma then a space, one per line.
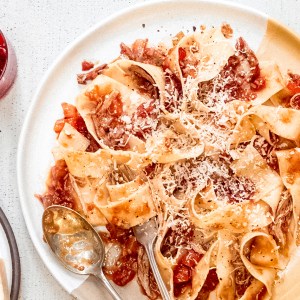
144, 119
209, 285
182, 272
108, 123
294, 83
181, 54
3, 53
261, 295
125, 268
86, 65
188, 63
59, 188
72, 117
293, 86
8, 65
242, 73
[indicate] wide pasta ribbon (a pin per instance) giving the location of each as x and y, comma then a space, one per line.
210, 49
127, 209
146, 79
289, 167
86, 189
225, 270
169, 147
284, 122
268, 184
260, 262
125, 205
96, 99
71, 139
206, 213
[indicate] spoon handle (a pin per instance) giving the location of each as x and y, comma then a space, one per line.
161, 285
108, 286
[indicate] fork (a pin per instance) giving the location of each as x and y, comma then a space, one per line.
146, 235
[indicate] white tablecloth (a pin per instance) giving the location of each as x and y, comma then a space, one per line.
39, 31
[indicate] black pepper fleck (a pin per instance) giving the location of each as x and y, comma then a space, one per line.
143, 25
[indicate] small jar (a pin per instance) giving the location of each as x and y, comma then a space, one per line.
8, 65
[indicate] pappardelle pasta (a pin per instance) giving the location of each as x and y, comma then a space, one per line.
201, 135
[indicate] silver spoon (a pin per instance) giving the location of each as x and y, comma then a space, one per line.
75, 243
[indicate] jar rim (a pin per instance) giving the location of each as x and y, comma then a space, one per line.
7, 57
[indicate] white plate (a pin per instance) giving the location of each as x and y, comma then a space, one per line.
59, 84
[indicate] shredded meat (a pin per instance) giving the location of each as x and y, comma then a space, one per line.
140, 52
295, 101
124, 269
83, 78
267, 151
279, 228
241, 76
173, 92
108, 125
180, 235
229, 187
145, 276
59, 188
233, 189
144, 120
144, 81
227, 30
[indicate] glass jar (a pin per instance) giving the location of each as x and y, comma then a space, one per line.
8, 65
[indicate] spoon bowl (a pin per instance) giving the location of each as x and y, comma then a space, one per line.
76, 243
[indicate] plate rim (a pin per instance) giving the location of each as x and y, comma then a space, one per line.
14, 254
73, 44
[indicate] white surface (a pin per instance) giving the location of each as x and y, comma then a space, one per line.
40, 30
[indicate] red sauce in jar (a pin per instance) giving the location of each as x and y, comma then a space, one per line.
8, 65
3, 54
